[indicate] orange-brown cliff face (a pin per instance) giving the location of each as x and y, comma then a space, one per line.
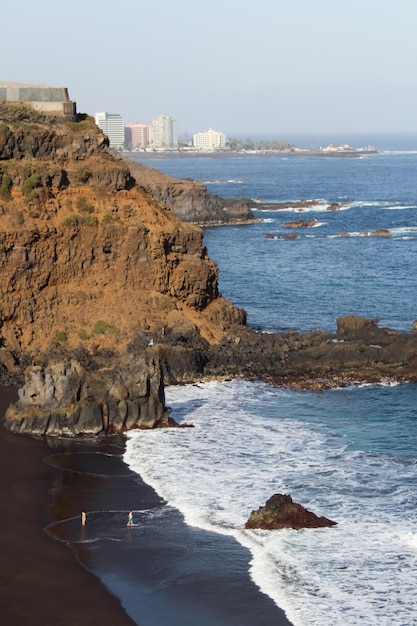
94, 275
88, 259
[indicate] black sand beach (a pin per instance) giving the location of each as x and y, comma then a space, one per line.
41, 582
159, 572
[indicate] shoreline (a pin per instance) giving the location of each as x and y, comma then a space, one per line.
341, 154
41, 581
107, 577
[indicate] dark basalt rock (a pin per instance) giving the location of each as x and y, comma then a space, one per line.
190, 200
301, 224
63, 399
281, 512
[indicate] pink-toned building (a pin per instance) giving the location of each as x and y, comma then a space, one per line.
137, 136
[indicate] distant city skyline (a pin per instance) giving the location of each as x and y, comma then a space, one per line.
161, 134
138, 135
272, 69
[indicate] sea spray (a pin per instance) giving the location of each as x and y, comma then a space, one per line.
251, 441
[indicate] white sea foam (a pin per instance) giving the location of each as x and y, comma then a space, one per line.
231, 181
400, 233
243, 448
315, 208
405, 230
399, 207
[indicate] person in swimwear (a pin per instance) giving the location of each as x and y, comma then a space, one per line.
83, 518
130, 519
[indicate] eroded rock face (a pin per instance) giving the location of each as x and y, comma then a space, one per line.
82, 243
190, 200
95, 273
281, 512
62, 398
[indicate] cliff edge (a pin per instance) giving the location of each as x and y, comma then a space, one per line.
190, 199
92, 267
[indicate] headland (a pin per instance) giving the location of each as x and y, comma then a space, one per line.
108, 294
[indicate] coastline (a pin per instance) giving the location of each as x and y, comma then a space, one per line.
41, 581
341, 154
161, 574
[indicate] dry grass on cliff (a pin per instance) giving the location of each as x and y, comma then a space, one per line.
15, 112
88, 259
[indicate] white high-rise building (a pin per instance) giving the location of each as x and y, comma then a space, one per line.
112, 125
209, 140
164, 133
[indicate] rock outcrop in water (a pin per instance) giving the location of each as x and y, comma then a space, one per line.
281, 512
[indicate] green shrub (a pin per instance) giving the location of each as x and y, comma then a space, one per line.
30, 184
23, 125
89, 220
101, 328
31, 195
70, 220
84, 122
84, 206
61, 335
83, 334
5, 188
107, 218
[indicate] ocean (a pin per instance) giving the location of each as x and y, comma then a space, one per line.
348, 454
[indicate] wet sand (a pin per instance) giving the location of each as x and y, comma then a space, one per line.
160, 572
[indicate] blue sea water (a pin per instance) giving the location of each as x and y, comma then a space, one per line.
349, 454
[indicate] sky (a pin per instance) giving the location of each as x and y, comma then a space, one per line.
270, 68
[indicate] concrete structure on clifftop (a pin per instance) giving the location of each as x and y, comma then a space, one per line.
52, 100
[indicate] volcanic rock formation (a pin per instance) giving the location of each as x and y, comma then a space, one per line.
191, 201
92, 267
281, 512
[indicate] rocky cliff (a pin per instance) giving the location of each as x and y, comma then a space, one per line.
190, 200
92, 267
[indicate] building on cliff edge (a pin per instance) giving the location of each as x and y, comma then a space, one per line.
52, 100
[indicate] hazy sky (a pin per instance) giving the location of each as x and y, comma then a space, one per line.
271, 67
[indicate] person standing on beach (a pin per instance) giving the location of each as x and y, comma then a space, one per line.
83, 518
130, 519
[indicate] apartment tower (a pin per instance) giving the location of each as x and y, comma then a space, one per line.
164, 133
